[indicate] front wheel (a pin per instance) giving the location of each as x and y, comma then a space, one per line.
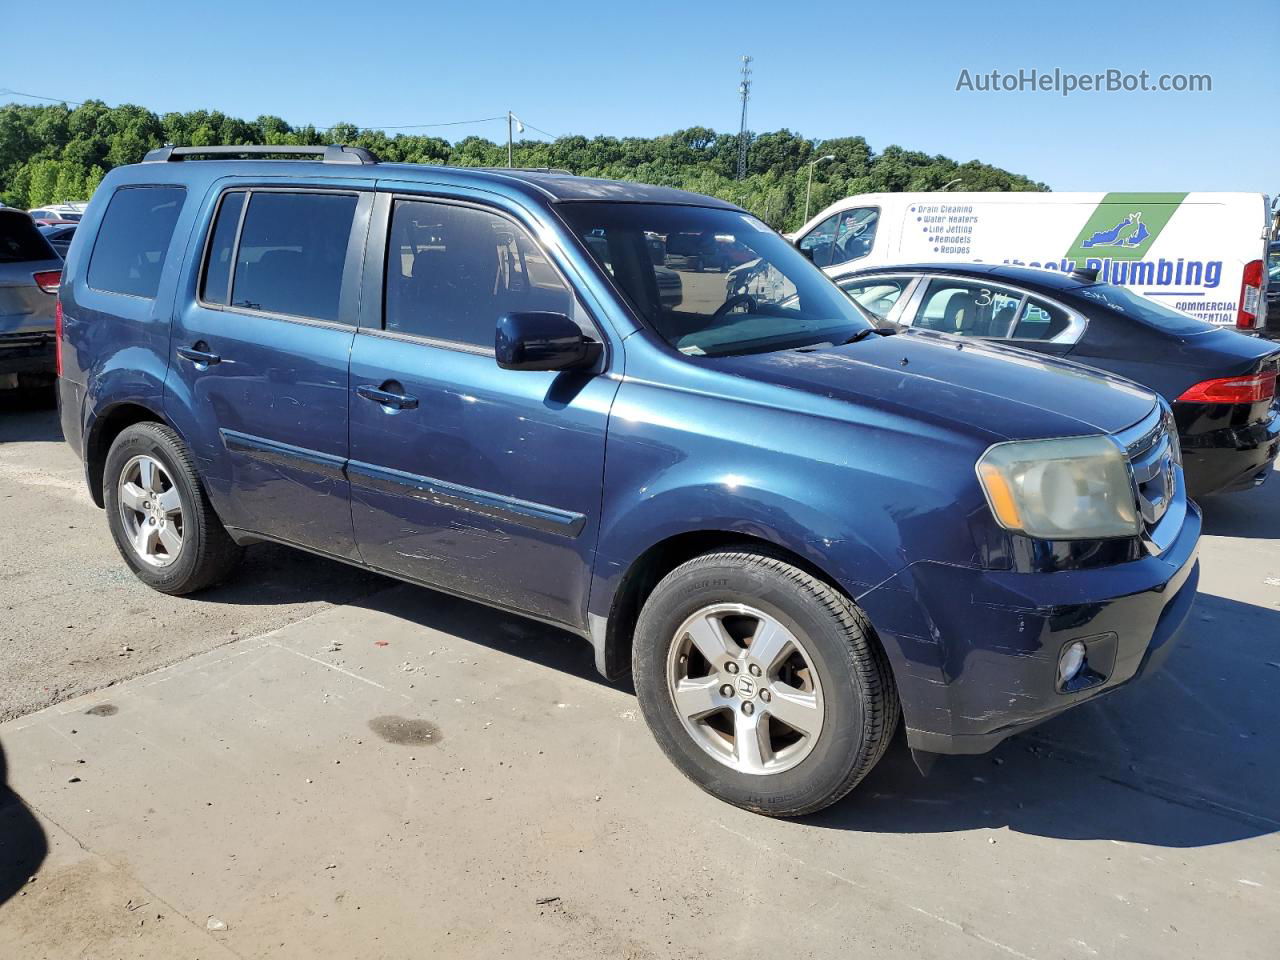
159, 515
762, 683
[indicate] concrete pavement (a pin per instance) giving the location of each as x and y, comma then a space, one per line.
407, 775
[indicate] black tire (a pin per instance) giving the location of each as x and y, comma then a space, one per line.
861, 701
208, 553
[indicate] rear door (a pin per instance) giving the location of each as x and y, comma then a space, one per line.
261, 346
482, 481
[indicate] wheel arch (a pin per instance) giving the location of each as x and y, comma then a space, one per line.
103, 431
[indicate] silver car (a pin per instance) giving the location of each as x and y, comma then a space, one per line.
30, 272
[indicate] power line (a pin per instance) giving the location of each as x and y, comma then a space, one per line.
36, 96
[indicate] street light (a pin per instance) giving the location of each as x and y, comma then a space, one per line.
948, 186
809, 189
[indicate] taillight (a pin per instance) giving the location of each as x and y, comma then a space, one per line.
1254, 388
1249, 314
57, 338
48, 280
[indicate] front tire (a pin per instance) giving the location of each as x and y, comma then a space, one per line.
762, 683
159, 515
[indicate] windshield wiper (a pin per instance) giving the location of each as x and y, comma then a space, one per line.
863, 334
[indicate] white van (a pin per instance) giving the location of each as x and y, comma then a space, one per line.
1201, 253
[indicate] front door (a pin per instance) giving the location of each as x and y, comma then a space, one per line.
261, 353
481, 481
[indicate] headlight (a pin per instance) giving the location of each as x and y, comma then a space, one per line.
1072, 489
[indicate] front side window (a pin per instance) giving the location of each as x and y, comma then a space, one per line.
133, 240
876, 294
968, 308
775, 299
819, 242
453, 270
854, 236
293, 247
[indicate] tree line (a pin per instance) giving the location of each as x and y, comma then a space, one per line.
52, 154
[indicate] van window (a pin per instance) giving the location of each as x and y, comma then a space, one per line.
820, 240
968, 308
293, 248
217, 268
854, 236
133, 240
453, 270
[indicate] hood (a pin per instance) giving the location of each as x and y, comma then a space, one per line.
1000, 392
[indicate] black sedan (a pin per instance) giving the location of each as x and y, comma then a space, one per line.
1222, 384
59, 236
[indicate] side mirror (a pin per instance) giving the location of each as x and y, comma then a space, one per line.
543, 341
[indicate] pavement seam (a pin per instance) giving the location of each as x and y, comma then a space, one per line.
136, 879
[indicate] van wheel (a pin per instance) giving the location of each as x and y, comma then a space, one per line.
761, 683
160, 517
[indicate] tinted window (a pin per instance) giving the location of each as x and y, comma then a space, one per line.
1040, 321
217, 269
968, 308
452, 271
855, 234
133, 239
877, 294
774, 300
1127, 303
293, 247
20, 240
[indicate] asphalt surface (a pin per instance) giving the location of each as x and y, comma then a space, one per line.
335, 766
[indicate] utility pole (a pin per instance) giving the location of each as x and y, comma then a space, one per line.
510, 153
744, 90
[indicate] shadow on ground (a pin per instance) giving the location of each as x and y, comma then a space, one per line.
29, 415
23, 846
1251, 513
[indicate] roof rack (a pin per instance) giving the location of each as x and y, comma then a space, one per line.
330, 154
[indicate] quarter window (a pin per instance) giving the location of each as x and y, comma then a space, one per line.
133, 240
452, 271
293, 247
968, 308
1040, 321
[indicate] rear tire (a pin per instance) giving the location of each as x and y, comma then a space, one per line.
818, 666
159, 515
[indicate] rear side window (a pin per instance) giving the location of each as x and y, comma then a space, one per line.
967, 308
217, 269
453, 271
1040, 321
293, 247
133, 239
20, 240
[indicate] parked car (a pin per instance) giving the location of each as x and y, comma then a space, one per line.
59, 236
1272, 330
30, 271
59, 213
1222, 385
1211, 248
790, 529
696, 252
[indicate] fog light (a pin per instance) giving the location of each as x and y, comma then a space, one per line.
1070, 662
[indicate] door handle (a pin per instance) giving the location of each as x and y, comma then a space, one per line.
396, 401
199, 356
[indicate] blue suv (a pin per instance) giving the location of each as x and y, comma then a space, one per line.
795, 530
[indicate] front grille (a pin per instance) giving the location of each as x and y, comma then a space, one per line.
1155, 465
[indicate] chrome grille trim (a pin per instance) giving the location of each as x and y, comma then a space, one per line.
1155, 466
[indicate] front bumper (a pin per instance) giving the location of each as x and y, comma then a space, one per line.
975, 651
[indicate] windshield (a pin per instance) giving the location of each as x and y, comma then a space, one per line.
1146, 311
713, 282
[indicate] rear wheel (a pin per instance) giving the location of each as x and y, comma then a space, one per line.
159, 515
762, 683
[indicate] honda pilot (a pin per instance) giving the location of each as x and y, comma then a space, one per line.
795, 531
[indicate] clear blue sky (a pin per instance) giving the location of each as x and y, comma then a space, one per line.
887, 71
